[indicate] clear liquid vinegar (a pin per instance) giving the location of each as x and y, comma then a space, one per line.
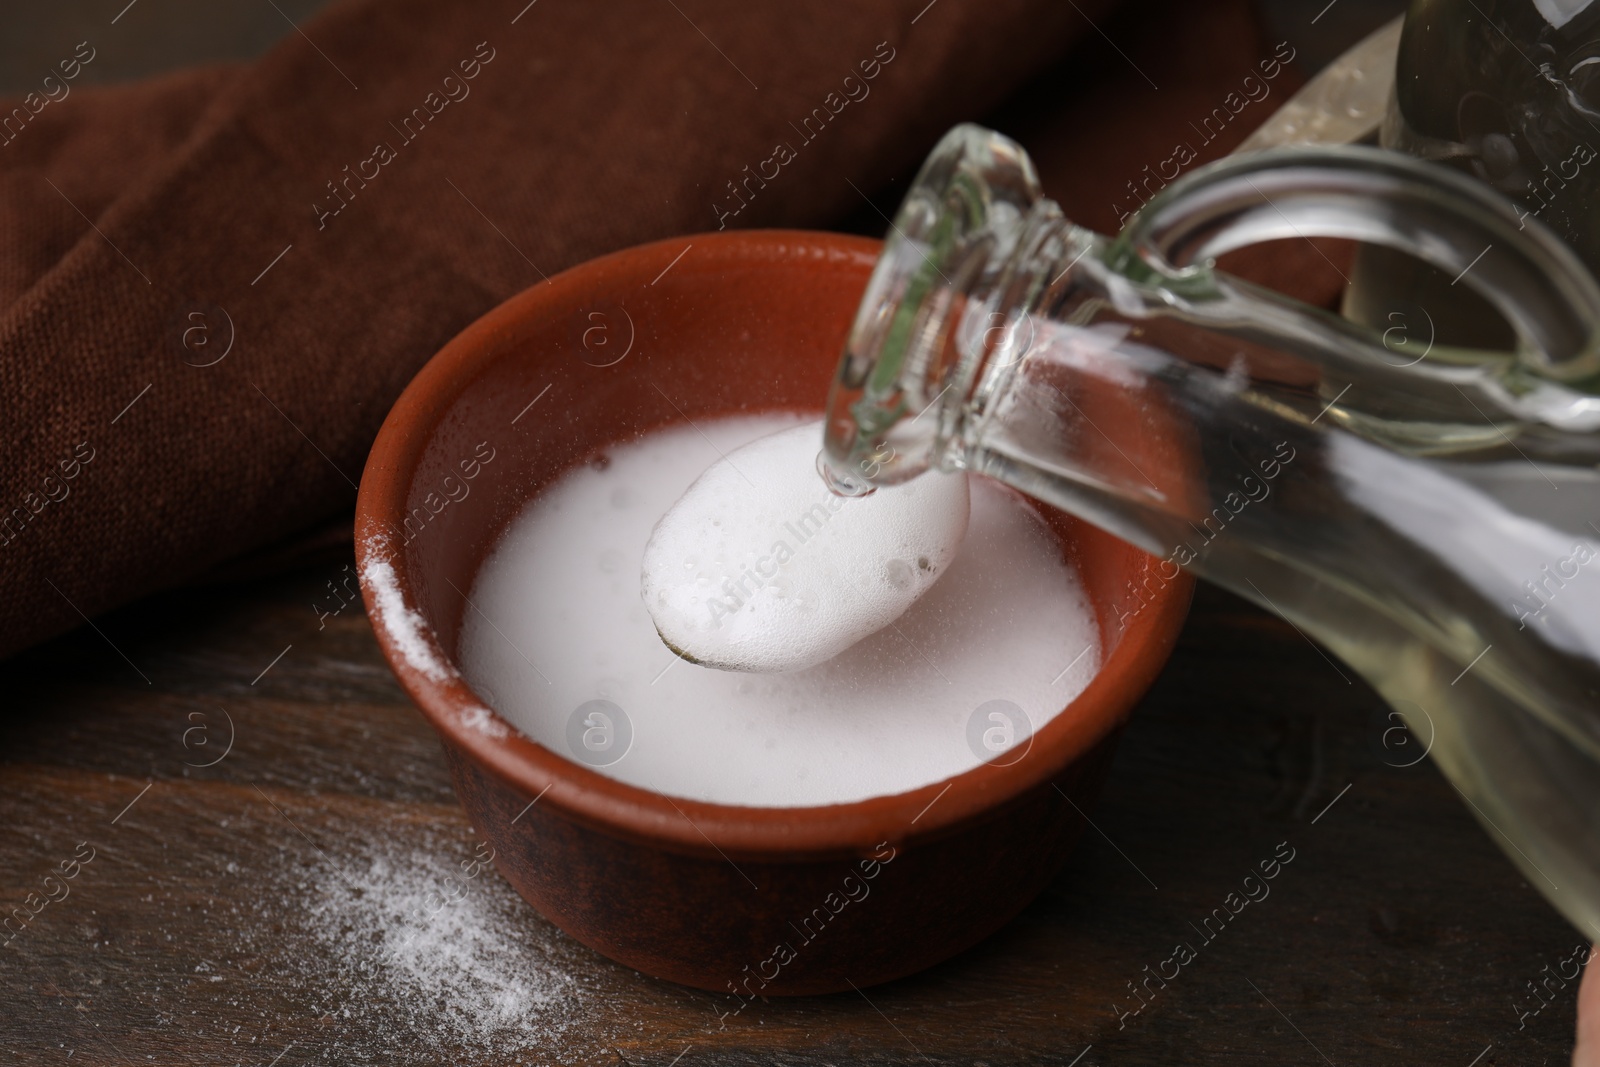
1512, 721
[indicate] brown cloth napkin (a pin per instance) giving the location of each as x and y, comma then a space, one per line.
214, 284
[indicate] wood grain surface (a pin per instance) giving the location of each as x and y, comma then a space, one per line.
206, 929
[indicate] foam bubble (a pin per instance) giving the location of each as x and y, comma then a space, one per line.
758, 567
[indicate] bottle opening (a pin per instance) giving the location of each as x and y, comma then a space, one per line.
842, 481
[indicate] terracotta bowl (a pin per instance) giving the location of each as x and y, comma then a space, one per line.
742, 901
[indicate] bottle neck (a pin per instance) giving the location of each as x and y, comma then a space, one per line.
976, 258
948, 327
997, 324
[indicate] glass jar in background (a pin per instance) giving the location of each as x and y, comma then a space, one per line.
1509, 92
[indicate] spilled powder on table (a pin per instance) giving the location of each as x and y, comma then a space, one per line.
438, 959
412, 636
405, 627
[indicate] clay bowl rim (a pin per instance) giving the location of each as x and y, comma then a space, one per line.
466, 722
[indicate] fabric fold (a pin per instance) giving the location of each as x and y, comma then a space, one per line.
215, 283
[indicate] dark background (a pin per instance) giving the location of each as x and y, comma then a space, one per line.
159, 35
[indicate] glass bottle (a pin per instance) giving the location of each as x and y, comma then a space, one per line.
1426, 513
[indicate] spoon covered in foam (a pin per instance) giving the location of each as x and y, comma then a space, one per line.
759, 567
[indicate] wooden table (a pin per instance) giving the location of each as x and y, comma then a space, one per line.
203, 929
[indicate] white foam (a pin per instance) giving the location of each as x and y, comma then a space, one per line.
758, 567
559, 595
